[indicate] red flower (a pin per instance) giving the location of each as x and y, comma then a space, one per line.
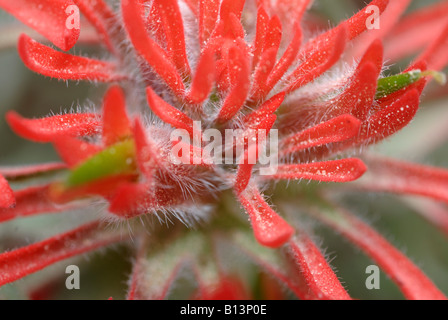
220, 78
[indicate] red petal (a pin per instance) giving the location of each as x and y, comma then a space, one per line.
74, 151
337, 129
408, 178
321, 58
116, 124
168, 113
343, 170
52, 63
261, 114
171, 18
320, 282
285, 62
48, 17
21, 262
101, 16
154, 55
31, 201
47, 129
204, 78
30, 170
262, 72
410, 279
239, 65
260, 35
7, 199
269, 228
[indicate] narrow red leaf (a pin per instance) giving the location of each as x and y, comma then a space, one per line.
335, 130
204, 77
412, 282
407, 178
239, 65
51, 63
270, 229
284, 63
171, 18
16, 172
47, 129
154, 55
7, 199
116, 124
319, 280
343, 170
21, 262
168, 113
260, 35
31, 201
48, 17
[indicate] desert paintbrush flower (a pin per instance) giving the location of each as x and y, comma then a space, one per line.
205, 68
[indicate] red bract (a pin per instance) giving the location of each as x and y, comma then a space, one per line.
181, 76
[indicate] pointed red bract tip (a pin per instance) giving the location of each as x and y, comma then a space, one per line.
319, 280
56, 20
48, 129
7, 199
168, 113
169, 13
270, 229
116, 124
49, 62
155, 56
204, 77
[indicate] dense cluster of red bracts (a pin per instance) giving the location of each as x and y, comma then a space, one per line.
211, 61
